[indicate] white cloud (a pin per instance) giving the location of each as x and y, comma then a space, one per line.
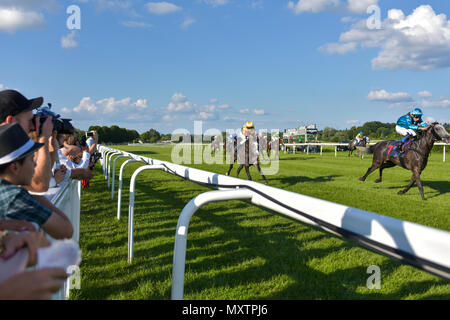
425, 94
187, 22
216, 3
338, 48
384, 96
112, 4
258, 112
215, 100
13, 19
244, 111
418, 42
352, 121
315, 6
1, 86
136, 24
162, 8
50, 5
109, 107
68, 41
439, 103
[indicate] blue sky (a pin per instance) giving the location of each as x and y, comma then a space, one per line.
164, 64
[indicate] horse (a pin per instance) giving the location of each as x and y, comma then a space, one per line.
352, 145
215, 145
274, 144
246, 155
415, 157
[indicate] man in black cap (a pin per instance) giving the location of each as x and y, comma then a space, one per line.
14, 107
16, 169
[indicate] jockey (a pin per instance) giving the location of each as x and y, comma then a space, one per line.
407, 124
360, 137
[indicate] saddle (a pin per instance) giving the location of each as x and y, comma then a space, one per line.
396, 149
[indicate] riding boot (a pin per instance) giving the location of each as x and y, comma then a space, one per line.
404, 139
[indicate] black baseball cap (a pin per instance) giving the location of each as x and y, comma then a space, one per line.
15, 143
13, 102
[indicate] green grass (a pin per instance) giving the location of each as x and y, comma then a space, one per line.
238, 251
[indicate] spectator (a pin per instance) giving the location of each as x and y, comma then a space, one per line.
17, 169
14, 107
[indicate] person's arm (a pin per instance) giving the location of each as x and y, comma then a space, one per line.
81, 174
58, 226
16, 225
42, 171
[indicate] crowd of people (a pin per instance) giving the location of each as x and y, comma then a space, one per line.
37, 152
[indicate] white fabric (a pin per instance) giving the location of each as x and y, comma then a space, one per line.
17, 153
404, 131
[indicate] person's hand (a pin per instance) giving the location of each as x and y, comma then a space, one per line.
87, 174
16, 225
46, 130
33, 285
32, 240
59, 175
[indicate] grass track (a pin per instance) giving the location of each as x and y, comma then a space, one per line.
238, 251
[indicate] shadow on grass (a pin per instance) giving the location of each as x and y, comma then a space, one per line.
299, 179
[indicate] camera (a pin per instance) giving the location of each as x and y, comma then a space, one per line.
90, 134
61, 125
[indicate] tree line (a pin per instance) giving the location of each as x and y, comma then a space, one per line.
375, 130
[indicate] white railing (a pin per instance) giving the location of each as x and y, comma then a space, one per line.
420, 246
66, 197
307, 144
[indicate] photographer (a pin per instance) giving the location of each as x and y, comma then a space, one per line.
15, 108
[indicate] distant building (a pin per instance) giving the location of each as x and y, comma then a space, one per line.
301, 131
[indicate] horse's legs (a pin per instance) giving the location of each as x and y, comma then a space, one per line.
384, 166
247, 170
229, 170
260, 171
419, 184
411, 183
415, 178
374, 167
239, 170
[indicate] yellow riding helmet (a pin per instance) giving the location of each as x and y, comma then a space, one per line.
249, 125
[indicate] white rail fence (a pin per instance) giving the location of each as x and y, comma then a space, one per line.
66, 197
420, 246
309, 145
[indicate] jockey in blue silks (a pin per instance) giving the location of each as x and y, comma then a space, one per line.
407, 124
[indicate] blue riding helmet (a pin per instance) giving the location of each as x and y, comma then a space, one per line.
361, 132
416, 112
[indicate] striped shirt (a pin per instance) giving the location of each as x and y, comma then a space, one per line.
17, 203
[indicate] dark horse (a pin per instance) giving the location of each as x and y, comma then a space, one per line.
415, 157
249, 159
352, 145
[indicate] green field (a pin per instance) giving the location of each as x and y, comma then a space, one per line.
238, 251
